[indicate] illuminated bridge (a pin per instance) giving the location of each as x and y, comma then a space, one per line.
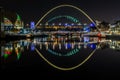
76, 28
47, 26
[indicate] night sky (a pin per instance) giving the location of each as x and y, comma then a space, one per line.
33, 10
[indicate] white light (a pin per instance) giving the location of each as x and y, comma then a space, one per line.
53, 24
40, 24
79, 23
113, 47
85, 23
72, 24
59, 23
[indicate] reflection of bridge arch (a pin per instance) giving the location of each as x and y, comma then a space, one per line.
61, 68
73, 19
65, 5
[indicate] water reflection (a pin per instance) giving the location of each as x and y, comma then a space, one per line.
55, 48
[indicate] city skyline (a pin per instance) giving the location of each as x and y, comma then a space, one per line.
34, 10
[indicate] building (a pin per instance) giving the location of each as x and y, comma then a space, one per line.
10, 21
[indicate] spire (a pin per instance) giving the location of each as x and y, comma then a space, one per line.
18, 17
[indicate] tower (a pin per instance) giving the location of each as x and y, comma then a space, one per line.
18, 23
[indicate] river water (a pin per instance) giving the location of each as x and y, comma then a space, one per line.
96, 57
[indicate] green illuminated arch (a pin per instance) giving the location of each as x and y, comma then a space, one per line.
72, 52
73, 19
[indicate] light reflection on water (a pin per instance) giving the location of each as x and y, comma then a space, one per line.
60, 52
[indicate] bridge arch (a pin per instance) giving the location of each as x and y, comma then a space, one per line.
50, 63
62, 68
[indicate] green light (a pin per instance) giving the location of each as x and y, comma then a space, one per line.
18, 17
75, 20
72, 52
6, 56
18, 56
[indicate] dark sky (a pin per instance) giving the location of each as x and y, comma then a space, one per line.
33, 10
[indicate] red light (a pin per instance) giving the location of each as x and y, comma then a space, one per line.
99, 35
7, 52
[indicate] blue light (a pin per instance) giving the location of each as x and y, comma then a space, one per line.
32, 25
87, 29
66, 24
32, 47
86, 39
93, 46
92, 25
68, 45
